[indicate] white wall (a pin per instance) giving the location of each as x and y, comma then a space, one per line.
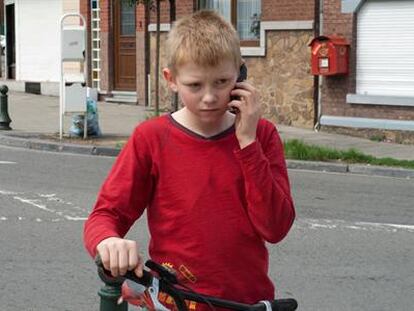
37, 40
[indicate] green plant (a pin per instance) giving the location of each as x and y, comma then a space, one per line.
299, 150
377, 138
120, 144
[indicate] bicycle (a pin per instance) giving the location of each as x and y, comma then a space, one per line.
161, 280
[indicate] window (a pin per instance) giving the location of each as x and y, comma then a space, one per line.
243, 14
385, 49
127, 18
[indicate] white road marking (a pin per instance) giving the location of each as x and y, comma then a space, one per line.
359, 225
47, 195
3, 218
52, 197
33, 203
75, 213
7, 162
75, 218
4, 192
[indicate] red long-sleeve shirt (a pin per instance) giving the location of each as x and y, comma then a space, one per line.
211, 205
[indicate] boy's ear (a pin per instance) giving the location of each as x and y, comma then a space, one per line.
169, 77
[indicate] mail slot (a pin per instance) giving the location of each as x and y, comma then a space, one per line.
330, 55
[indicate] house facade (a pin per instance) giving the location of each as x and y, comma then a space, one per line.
375, 97
274, 37
31, 59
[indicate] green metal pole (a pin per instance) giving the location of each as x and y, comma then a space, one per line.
109, 298
4, 114
110, 293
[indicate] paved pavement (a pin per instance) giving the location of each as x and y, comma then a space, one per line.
35, 124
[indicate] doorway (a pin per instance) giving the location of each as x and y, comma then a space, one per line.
10, 42
125, 46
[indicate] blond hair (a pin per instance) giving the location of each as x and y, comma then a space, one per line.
204, 38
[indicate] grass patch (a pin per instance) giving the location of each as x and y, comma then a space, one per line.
120, 144
298, 150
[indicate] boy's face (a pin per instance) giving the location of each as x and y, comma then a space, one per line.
205, 91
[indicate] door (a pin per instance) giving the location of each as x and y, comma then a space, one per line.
10, 43
125, 37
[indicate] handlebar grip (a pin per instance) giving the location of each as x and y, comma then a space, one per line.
288, 304
107, 277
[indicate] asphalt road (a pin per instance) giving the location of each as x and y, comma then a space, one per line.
351, 247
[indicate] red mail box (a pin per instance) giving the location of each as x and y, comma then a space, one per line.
330, 55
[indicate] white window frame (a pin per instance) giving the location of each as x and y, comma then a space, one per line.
231, 16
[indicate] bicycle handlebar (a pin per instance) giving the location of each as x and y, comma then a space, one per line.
167, 283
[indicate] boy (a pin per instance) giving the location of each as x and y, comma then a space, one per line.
214, 183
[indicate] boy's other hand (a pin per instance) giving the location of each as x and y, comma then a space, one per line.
248, 112
120, 255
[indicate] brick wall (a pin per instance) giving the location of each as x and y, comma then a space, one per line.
141, 81
106, 74
287, 10
272, 10
85, 11
183, 7
105, 15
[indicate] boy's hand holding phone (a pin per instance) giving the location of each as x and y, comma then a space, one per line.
245, 104
120, 255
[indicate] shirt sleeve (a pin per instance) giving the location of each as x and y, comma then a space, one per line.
269, 203
123, 196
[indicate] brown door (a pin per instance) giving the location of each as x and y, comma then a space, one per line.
124, 32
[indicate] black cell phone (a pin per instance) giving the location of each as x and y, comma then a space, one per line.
242, 76
243, 73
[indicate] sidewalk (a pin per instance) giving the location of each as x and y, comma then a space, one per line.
35, 124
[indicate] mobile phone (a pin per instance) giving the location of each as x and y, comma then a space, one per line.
242, 76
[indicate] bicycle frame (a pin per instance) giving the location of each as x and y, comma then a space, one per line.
166, 282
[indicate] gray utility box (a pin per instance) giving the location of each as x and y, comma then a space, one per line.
73, 85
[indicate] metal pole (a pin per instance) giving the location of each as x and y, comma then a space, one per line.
4, 114
110, 294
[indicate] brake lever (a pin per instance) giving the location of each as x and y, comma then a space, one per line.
167, 280
154, 290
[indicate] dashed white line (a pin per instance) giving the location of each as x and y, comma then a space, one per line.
5, 192
342, 224
7, 162
75, 218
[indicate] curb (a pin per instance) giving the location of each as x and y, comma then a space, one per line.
317, 166
42, 145
358, 169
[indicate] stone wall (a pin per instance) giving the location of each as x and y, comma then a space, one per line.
165, 94
282, 77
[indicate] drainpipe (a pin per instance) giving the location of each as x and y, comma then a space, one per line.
318, 79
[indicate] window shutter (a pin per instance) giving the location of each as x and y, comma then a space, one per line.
385, 48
